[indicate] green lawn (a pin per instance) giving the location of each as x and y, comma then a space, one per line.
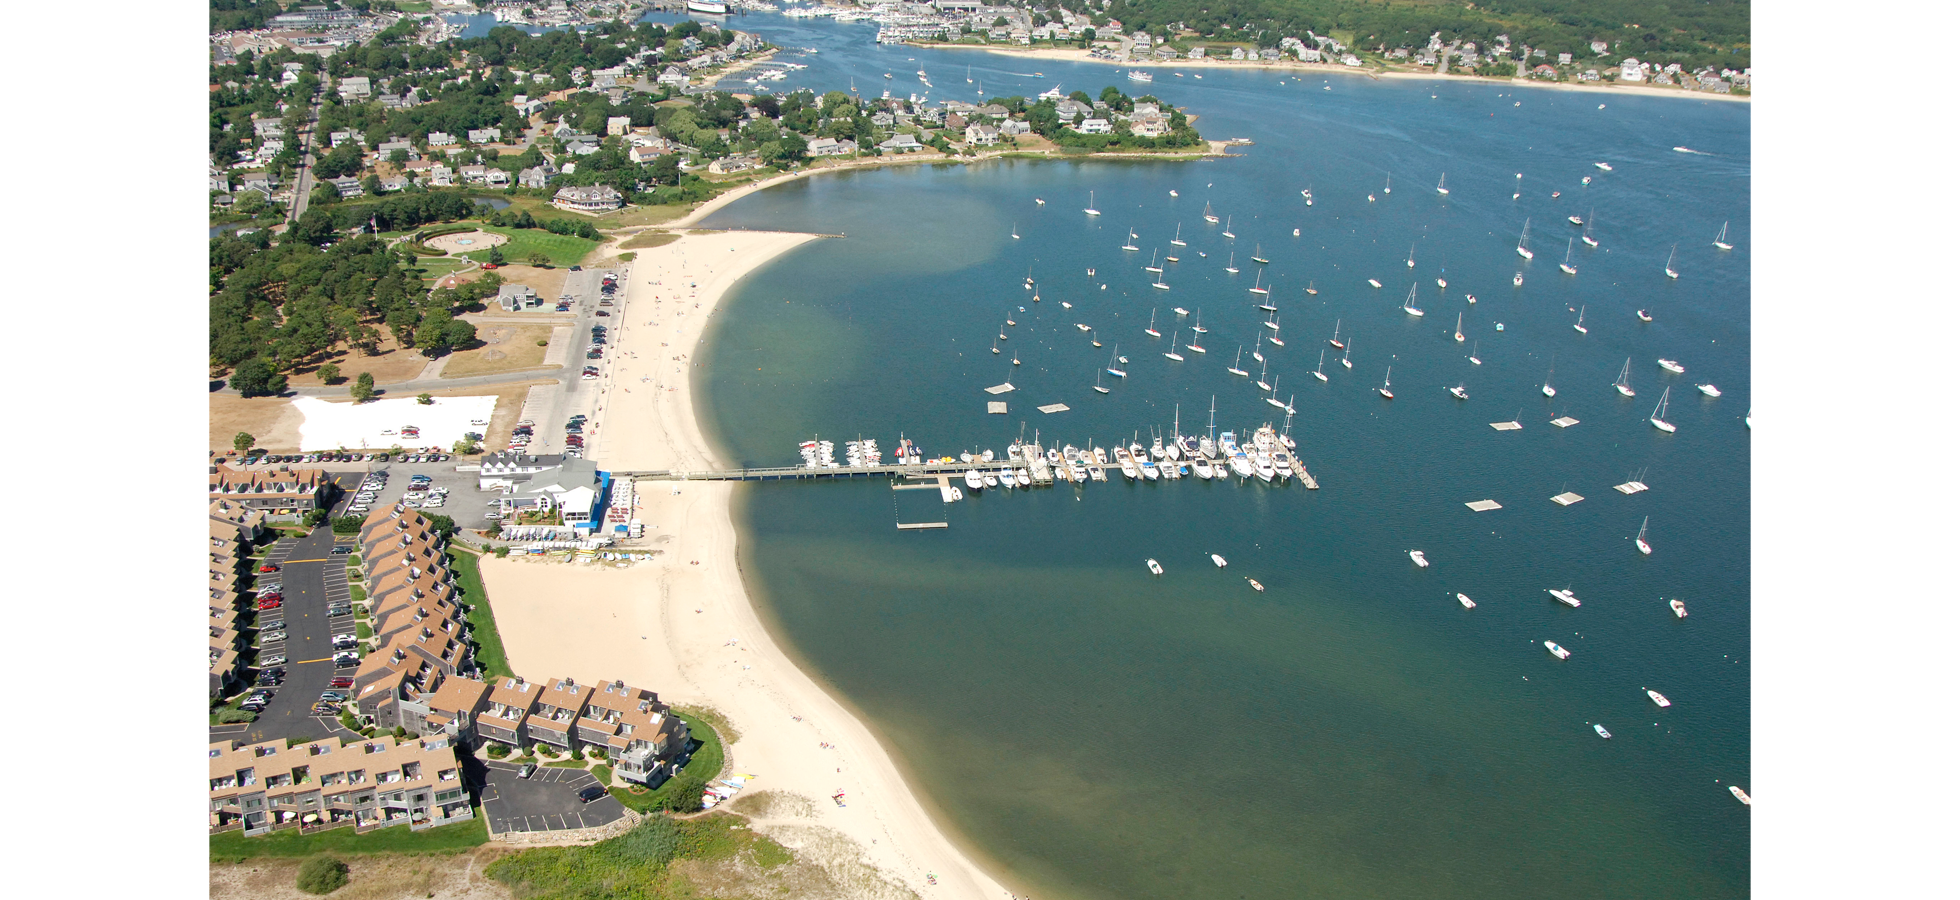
705, 765
564, 249
234, 846
483, 623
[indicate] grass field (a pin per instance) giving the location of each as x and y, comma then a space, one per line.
516, 348
643, 215
483, 624
563, 249
234, 846
647, 240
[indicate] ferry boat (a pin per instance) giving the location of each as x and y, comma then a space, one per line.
1558, 651
1466, 601
1740, 794
710, 7
1603, 732
1680, 609
1217, 560
1659, 700
1141, 75
1155, 569
1420, 560
1564, 596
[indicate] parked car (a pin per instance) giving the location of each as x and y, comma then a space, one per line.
590, 793
269, 604
333, 696
341, 550
268, 567
341, 681
277, 659
271, 595
525, 770
269, 636
274, 625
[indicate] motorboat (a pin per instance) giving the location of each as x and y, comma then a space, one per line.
1603, 732
1564, 596
1709, 389
1680, 609
1673, 366
1740, 794
1217, 560
1420, 560
1558, 651
1373, 283
1459, 393
974, 481
1659, 700
1466, 601
1256, 585
1155, 569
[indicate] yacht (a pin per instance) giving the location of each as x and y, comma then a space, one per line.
974, 481
1672, 366
1564, 596
990, 479
1151, 329
1231, 264
1466, 601
1383, 390
1153, 267
1255, 283
1112, 363
1420, 560
1459, 393
1603, 732
1659, 419
1208, 216
1680, 609
1131, 244
1409, 305
1217, 560
1517, 280
1642, 315
1373, 283
1709, 389
1256, 257
1620, 384
1473, 355
1412, 256
1155, 569
1659, 700
1199, 325
1558, 651
1201, 468
1459, 328
1602, 167
1228, 229
1235, 363
1640, 540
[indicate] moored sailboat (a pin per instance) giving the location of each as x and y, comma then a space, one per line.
1383, 390
1640, 540
1722, 238
1620, 384
1659, 419
1524, 241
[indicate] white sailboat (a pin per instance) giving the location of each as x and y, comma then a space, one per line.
1228, 228
1524, 241
1091, 208
1199, 325
1547, 389
1132, 243
1231, 264
1151, 329
1412, 256
1473, 355
1177, 238
1255, 283
1099, 385
1383, 390
1660, 414
1586, 235
1153, 267
1159, 283
1322, 364
1620, 383
1459, 328
1112, 363
1344, 354
1272, 396
1208, 216
1335, 341
1014, 231
1722, 238
1235, 363
1640, 540
1256, 257
1409, 305
1387, 182
1262, 378
1580, 326
1193, 346
1566, 266
1440, 189
1669, 268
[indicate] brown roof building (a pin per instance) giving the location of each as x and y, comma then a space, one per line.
374, 783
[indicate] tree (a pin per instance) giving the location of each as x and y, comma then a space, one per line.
442, 525
539, 259
425, 399
329, 373
496, 256
466, 447
363, 389
459, 334
322, 875
1000, 21
256, 378
685, 795
242, 442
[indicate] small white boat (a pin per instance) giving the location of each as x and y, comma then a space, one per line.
1602, 167
1709, 389
1473, 355
974, 481
1642, 315
1459, 393
1669, 268
1567, 266
1517, 280
1672, 366
1547, 389
1740, 794
1563, 596
1524, 240
1680, 609
1659, 700
1091, 208
1177, 238
1558, 651
1466, 601
1420, 560
1217, 560
1722, 238
1440, 189
1640, 540
1320, 365
1459, 328
1412, 256
1383, 390
990, 479
1441, 283
1256, 585
1580, 326
1620, 384
1373, 283
1155, 569
1409, 305
1659, 419
1603, 732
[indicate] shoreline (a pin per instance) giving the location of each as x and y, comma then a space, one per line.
1082, 56
685, 625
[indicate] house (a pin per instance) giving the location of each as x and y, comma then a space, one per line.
672, 76
1145, 111
1093, 126
1269, 55
993, 111
646, 153
569, 492
1632, 70
901, 143
1544, 71
1238, 53
219, 180
372, 783
474, 174
1196, 53
513, 297
1150, 127
1599, 48
534, 177
268, 128
336, 138
485, 135
882, 119
282, 493
1015, 128
441, 139
616, 125
1589, 75
956, 122
507, 710
347, 185
354, 87
832, 147
1070, 108
1565, 59
441, 176
386, 149
261, 181
633, 727
729, 165
982, 135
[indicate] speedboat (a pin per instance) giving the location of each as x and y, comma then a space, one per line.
1558, 651
1372, 282
1659, 700
1421, 561
990, 479
1740, 794
1680, 609
1709, 389
1466, 601
973, 479
1609, 735
1217, 560
1642, 314
1602, 167
1563, 596
1673, 366
1155, 569
1459, 393
1256, 585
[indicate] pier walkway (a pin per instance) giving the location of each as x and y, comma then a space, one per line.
1038, 469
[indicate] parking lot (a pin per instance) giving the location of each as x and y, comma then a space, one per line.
459, 498
297, 637
547, 801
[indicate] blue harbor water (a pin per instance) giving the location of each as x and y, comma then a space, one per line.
1095, 732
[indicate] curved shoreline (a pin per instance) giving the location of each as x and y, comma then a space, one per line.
684, 624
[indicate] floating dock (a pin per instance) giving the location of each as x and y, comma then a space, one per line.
1567, 499
1053, 408
919, 526
996, 408
1565, 421
1631, 487
1000, 388
1484, 505
1506, 426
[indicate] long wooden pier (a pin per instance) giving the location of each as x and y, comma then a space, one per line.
1037, 465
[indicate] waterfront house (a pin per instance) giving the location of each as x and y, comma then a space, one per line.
506, 711
1150, 127
1565, 59
955, 122
1015, 127
1196, 53
1632, 70
1093, 126
729, 165
982, 135
901, 143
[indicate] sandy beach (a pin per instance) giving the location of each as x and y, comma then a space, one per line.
682, 625
1295, 66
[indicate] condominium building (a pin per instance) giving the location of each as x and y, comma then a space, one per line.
274, 493
373, 783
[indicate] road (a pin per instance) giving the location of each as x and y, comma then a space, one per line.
303, 182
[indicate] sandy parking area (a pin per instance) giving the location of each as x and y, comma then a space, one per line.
378, 423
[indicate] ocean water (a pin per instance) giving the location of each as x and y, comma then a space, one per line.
1096, 732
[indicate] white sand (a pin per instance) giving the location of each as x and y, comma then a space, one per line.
330, 426
682, 625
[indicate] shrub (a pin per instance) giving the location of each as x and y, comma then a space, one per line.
322, 875
498, 751
425, 399
229, 716
313, 517
501, 552
685, 793
347, 525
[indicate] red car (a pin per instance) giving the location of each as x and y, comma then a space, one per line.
269, 604
272, 595
268, 567
341, 682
